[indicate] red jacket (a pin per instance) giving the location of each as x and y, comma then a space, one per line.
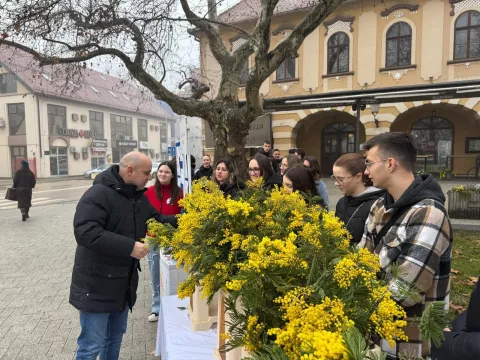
165, 206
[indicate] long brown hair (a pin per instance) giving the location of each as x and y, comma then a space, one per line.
174, 188
314, 166
355, 164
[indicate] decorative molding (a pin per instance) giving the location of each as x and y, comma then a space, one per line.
467, 62
397, 75
409, 7
340, 22
282, 30
337, 76
459, 5
285, 86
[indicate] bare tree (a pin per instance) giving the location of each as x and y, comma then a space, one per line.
140, 34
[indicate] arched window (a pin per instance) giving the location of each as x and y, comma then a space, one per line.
467, 36
338, 53
433, 136
399, 45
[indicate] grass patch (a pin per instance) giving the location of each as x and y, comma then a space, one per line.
465, 269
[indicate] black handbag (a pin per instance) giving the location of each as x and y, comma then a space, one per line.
11, 194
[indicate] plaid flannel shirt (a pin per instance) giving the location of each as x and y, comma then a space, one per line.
420, 243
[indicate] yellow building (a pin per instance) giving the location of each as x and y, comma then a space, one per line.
415, 65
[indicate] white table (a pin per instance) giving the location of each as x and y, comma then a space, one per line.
175, 338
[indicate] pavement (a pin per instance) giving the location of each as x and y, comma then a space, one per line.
36, 320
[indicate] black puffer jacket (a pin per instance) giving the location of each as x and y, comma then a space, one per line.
275, 179
347, 206
24, 181
109, 218
203, 172
233, 189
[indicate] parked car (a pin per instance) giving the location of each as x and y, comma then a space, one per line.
155, 166
94, 172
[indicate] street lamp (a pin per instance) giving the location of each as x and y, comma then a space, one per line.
375, 108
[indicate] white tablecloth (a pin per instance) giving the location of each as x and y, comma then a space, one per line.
175, 338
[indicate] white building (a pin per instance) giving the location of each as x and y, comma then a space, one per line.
64, 127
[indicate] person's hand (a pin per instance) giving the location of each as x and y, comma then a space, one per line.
447, 329
140, 250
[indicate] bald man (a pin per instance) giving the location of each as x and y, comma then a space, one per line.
109, 223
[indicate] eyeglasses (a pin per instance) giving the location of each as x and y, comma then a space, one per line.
340, 180
254, 170
369, 163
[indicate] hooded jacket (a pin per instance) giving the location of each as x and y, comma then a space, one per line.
203, 172
233, 189
463, 342
353, 211
109, 218
419, 243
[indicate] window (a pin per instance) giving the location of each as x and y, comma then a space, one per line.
173, 129
58, 161
399, 45
433, 136
98, 162
96, 124
16, 119
244, 73
338, 53
163, 132
120, 126
8, 84
142, 130
286, 70
467, 36
57, 119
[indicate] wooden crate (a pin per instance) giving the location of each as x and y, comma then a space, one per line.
202, 315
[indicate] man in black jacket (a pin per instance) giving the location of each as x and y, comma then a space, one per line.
463, 341
109, 223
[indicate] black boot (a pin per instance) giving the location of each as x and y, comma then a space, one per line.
26, 214
24, 217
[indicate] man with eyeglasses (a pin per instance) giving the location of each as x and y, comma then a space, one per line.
408, 227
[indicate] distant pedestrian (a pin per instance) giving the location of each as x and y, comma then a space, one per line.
300, 178
300, 153
23, 182
359, 193
110, 220
266, 149
313, 164
287, 162
205, 170
226, 178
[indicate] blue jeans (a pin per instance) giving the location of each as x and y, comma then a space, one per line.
153, 258
101, 334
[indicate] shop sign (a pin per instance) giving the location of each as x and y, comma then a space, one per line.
75, 133
259, 131
143, 145
127, 143
99, 143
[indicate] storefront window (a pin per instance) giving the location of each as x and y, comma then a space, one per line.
16, 119
58, 160
97, 162
57, 119
433, 137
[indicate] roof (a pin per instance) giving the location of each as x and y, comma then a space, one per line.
86, 86
250, 9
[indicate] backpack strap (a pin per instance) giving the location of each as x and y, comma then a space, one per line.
397, 215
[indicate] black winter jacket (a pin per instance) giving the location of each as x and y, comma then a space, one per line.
109, 218
347, 206
23, 182
275, 179
203, 172
463, 342
233, 189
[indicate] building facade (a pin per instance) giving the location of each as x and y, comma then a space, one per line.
367, 45
65, 131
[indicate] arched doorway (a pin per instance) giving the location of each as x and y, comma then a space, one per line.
337, 139
434, 138
59, 157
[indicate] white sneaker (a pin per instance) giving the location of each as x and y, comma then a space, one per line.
153, 317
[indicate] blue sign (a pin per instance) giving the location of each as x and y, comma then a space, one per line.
171, 151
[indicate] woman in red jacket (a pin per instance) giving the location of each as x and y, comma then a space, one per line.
164, 196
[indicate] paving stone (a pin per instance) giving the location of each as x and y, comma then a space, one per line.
36, 320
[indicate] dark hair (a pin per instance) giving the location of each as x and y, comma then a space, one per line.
292, 151
264, 165
292, 160
302, 179
25, 164
230, 167
275, 150
267, 142
355, 164
174, 189
300, 152
398, 145
314, 166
